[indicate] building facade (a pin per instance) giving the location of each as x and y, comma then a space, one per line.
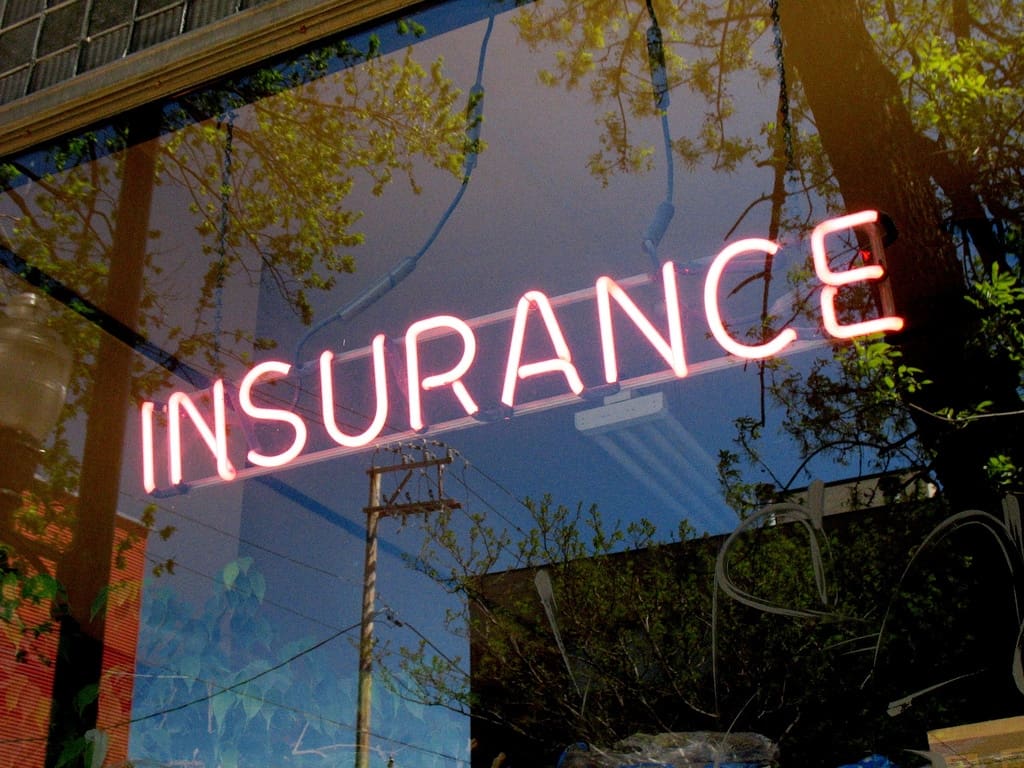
365, 302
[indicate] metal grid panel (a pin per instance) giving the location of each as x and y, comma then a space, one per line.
157, 26
41, 46
19, 10
106, 46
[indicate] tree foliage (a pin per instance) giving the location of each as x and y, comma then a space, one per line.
904, 108
258, 173
933, 94
223, 685
641, 635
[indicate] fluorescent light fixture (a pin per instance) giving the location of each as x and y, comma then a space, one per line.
642, 435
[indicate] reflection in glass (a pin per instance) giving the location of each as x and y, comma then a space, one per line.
405, 244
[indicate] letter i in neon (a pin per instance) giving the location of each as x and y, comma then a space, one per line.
148, 464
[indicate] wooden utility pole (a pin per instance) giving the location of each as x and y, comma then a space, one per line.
374, 512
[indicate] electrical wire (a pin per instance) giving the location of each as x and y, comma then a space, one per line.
279, 606
252, 678
659, 82
226, 173
200, 699
391, 279
392, 616
241, 540
384, 284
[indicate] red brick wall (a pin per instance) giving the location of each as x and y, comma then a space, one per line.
26, 664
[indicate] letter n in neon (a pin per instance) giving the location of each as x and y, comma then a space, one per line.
671, 350
216, 438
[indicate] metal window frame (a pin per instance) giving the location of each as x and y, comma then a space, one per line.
180, 64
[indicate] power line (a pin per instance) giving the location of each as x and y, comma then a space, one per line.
246, 681
241, 684
467, 465
243, 540
279, 606
392, 616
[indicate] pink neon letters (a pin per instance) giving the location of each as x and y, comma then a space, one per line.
215, 439
608, 289
271, 414
560, 364
729, 344
380, 388
833, 280
452, 378
532, 304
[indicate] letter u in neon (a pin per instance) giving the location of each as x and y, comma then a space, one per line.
380, 389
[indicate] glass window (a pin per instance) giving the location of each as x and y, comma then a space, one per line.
512, 379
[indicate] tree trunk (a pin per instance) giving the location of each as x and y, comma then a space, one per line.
881, 162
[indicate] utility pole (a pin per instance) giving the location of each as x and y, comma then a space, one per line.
377, 509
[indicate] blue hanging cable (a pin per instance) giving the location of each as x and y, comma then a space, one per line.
398, 273
659, 80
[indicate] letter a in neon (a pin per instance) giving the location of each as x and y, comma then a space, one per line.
560, 364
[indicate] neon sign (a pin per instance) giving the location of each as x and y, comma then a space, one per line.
668, 344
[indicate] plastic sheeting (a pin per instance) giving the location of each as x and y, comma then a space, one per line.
701, 749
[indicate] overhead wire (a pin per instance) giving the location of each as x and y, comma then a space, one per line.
242, 540
234, 688
653, 236
393, 617
252, 678
215, 580
659, 81
393, 277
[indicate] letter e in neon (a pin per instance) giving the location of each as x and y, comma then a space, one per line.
833, 280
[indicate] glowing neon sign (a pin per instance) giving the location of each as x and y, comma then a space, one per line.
607, 292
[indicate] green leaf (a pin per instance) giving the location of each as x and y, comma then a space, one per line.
71, 751
231, 571
258, 585
229, 757
252, 706
190, 667
100, 603
221, 705
85, 697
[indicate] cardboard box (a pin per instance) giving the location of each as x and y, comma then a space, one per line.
998, 743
